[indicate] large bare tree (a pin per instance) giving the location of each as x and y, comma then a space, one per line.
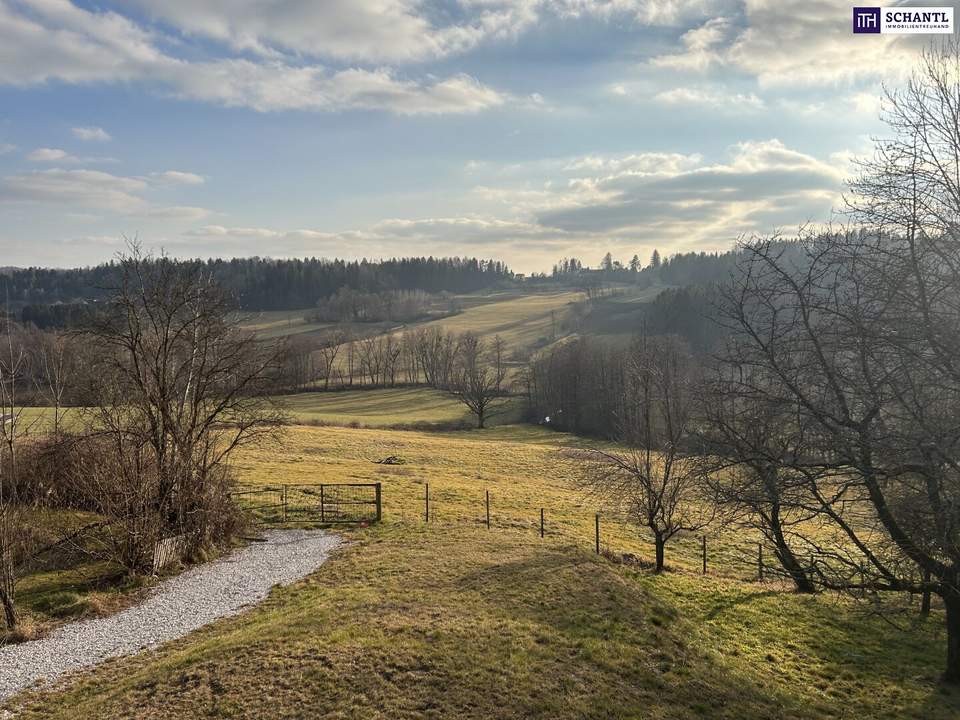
178, 388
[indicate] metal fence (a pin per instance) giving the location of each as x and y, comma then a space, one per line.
321, 503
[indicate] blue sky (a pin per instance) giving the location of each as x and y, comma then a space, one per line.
527, 130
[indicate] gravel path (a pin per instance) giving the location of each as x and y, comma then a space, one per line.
174, 608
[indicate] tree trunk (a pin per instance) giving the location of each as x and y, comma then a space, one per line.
659, 542
9, 610
480, 419
951, 600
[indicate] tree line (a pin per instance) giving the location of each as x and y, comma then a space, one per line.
259, 283
352, 306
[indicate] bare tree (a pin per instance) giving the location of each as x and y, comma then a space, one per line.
751, 444
179, 388
654, 481
329, 350
478, 378
53, 357
13, 360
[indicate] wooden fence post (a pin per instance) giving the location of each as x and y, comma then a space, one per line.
379, 505
488, 509
541, 523
597, 532
426, 512
760, 561
703, 548
284, 503
323, 509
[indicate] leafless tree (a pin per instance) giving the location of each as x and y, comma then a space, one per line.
329, 350
479, 378
13, 361
750, 445
655, 481
53, 356
179, 388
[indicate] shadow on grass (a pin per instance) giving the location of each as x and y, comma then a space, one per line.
723, 606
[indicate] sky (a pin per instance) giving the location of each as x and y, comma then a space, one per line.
526, 130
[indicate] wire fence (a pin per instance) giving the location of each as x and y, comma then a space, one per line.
718, 554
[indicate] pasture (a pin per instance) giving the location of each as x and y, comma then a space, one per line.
414, 619
384, 407
449, 618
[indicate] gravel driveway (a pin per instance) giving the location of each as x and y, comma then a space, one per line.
174, 608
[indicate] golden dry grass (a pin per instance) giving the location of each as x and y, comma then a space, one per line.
450, 619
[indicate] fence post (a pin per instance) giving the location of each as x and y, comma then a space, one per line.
703, 548
323, 511
925, 596
427, 502
596, 532
284, 503
541, 523
379, 506
760, 561
488, 509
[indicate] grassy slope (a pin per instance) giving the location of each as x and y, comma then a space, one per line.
618, 316
521, 319
413, 622
280, 323
380, 408
454, 620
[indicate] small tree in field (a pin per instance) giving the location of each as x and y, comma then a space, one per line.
655, 480
478, 377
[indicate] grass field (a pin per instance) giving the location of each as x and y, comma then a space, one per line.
450, 619
384, 407
521, 319
525, 321
280, 323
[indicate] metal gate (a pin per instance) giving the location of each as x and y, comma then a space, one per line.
317, 503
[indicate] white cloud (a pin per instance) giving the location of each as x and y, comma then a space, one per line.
6, 148
272, 86
178, 212
783, 47
91, 134
763, 185
702, 47
57, 40
56, 155
716, 98
178, 177
49, 155
372, 31
93, 189
86, 188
